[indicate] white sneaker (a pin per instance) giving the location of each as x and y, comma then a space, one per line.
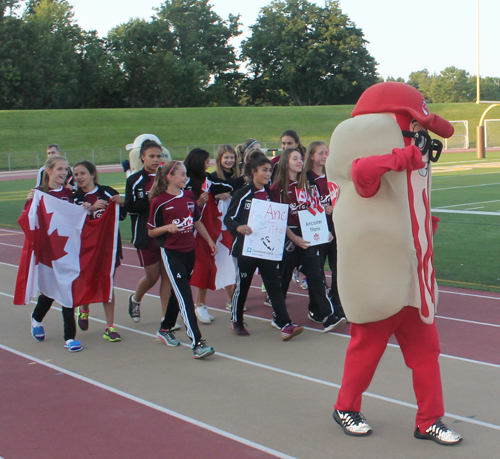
203, 315
209, 315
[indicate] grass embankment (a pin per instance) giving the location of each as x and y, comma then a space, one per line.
106, 131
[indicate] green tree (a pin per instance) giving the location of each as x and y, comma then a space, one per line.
305, 54
202, 41
452, 85
154, 75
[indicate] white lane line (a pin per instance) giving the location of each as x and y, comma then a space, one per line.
12, 245
311, 379
463, 186
469, 212
468, 204
153, 405
475, 295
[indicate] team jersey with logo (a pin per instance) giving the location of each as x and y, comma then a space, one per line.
62, 193
262, 195
297, 200
180, 210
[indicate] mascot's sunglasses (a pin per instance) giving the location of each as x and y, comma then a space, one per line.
425, 144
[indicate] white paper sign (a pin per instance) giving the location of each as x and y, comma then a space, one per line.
314, 227
268, 222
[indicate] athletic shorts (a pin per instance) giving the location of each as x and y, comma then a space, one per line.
149, 256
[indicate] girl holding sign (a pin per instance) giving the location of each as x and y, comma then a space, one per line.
259, 168
291, 187
315, 161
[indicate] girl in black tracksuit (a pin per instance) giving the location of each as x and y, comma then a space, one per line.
259, 168
315, 159
291, 187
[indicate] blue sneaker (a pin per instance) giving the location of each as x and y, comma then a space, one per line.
37, 331
201, 350
73, 346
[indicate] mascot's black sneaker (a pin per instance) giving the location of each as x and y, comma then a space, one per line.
439, 433
352, 422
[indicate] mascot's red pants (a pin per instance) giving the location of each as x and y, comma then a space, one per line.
419, 344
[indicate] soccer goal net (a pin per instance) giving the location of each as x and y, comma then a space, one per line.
460, 139
492, 133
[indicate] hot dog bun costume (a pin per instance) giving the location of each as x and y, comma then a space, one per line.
135, 151
380, 159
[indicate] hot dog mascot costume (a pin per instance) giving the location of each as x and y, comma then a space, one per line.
381, 160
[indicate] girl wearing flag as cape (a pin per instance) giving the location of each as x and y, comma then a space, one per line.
172, 220
53, 181
291, 187
95, 198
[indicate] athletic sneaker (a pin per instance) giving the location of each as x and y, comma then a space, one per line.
439, 433
37, 330
267, 301
134, 309
239, 329
296, 275
168, 337
263, 288
73, 346
201, 350
333, 322
203, 315
303, 283
314, 317
82, 318
353, 423
290, 330
275, 325
111, 334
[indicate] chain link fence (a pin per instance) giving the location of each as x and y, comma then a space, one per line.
36, 159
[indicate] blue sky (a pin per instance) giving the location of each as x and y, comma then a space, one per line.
404, 36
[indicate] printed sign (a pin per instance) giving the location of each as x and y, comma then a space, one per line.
314, 227
268, 222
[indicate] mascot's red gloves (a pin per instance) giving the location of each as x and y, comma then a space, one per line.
367, 172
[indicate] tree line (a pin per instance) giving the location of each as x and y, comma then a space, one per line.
452, 85
298, 53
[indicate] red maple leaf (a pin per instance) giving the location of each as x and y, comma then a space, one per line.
316, 237
47, 247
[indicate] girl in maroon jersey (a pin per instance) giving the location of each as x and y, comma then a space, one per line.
291, 187
316, 155
173, 218
95, 198
56, 173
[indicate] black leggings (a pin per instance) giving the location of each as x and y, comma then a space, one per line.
309, 263
42, 307
269, 271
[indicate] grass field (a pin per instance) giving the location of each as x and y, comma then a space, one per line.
98, 135
466, 197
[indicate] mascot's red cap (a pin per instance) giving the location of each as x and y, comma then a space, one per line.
402, 99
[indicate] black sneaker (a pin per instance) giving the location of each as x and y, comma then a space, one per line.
333, 322
314, 317
353, 423
134, 309
439, 433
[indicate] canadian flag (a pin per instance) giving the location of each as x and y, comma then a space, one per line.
66, 256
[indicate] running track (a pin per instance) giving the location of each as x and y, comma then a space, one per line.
49, 411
